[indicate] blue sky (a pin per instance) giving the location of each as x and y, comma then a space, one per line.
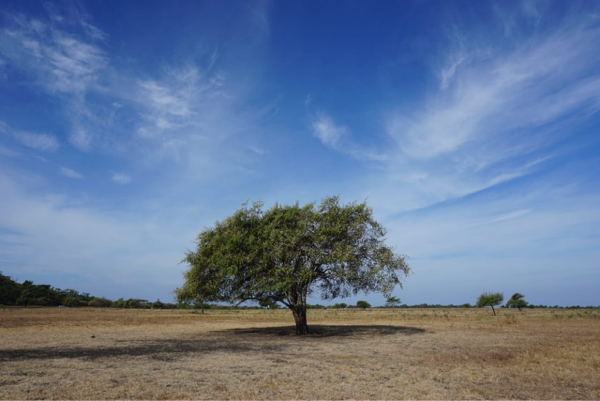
471, 128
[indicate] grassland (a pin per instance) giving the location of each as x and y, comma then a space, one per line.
52, 353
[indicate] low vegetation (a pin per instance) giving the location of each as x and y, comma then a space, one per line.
378, 353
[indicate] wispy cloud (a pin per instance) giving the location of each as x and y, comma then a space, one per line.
533, 85
59, 61
67, 172
184, 112
195, 117
53, 56
38, 141
503, 226
43, 142
499, 108
338, 137
73, 65
258, 150
121, 178
327, 131
496, 114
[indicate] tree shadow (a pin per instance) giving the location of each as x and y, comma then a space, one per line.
236, 341
165, 350
325, 331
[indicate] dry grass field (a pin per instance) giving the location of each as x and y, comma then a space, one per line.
49, 353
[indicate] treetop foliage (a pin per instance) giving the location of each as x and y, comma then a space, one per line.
517, 301
363, 304
490, 299
287, 253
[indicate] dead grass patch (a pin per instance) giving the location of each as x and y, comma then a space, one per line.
48, 353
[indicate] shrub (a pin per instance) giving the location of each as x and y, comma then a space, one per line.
100, 303
363, 304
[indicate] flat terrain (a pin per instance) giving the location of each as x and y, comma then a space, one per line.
49, 353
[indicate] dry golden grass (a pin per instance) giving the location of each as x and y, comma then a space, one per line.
49, 353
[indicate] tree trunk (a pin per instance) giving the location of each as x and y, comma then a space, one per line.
299, 312
493, 311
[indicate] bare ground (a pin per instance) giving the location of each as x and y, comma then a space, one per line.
49, 353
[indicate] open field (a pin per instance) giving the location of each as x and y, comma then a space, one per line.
49, 353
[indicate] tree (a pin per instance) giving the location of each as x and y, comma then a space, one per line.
392, 302
9, 290
490, 299
286, 253
72, 301
100, 302
268, 303
517, 301
363, 304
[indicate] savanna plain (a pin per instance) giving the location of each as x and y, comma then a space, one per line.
87, 353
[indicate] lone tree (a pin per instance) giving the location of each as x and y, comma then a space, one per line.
286, 253
517, 301
392, 302
490, 299
363, 304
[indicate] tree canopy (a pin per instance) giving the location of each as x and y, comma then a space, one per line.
392, 302
490, 299
287, 253
363, 304
517, 301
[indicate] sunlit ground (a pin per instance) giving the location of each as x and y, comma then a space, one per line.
49, 353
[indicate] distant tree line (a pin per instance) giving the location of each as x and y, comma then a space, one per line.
27, 293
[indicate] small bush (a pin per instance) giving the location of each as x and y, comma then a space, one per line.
363, 304
100, 303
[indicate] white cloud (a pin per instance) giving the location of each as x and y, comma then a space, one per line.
535, 224
449, 70
59, 61
184, 113
121, 178
337, 137
535, 84
74, 65
39, 141
67, 172
43, 142
327, 131
63, 64
258, 150
81, 139
195, 117
493, 119
94, 31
